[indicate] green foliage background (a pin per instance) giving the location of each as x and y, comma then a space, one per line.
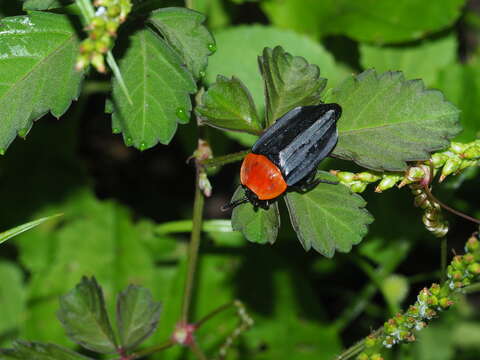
116, 199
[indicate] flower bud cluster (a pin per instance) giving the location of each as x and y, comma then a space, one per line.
102, 29
458, 157
462, 271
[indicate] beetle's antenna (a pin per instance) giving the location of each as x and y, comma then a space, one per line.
233, 204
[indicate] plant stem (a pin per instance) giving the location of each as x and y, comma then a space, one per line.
472, 288
93, 87
223, 160
118, 75
152, 350
356, 348
193, 249
183, 226
197, 351
214, 313
86, 9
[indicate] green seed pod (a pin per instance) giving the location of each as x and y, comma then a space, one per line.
457, 148
99, 62
367, 177
387, 182
474, 268
439, 159
358, 187
473, 152
114, 11
452, 165
345, 176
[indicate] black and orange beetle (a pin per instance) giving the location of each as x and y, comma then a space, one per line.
286, 156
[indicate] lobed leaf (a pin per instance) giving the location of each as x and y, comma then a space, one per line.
290, 81
85, 319
385, 21
227, 104
159, 87
23, 350
37, 72
184, 30
387, 121
137, 316
257, 225
329, 217
12, 298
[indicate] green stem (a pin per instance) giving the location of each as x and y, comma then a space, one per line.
152, 350
226, 159
472, 288
193, 250
186, 226
356, 348
87, 10
214, 313
189, 4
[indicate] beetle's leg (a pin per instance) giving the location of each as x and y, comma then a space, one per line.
312, 182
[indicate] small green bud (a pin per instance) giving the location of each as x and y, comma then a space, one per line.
432, 301
112, 27
474, 268
345, 176
452, 165
362, 356
445, 302
472, 244
82, 62
415, 173
357, 186
98, 22
435, 289
370, 341
457, 262
468, 258
457, 275
99, 62
387, 182
457, 148
424, 295
473, 152
114, 11
367, 177
439, 159
376, 357
87, 46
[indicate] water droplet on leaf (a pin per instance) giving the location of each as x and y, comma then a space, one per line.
23, 133
201, 74
143, 146
116, 130
128, 141
2, 151
212, 47
182, 115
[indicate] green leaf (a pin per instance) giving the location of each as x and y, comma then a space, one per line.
383, 21
159, 87
23, 350
290, 81
387, 120
258, 226
12, 299
44, 4
184, 30
239, 47
329, 217
421, 60
95, 238
137, 316
25, 227
228, 105
37, 74
85, 319
461, 85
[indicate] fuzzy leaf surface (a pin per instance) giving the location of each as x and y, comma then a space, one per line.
387, 120
159, 87
184, 30
38, 351
260, 226
137, 316
37, 72
290, 81
228, 105
84, 316
422, 60
329, 217
44, 4
385, 21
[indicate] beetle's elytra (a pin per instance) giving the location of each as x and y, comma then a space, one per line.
287, 154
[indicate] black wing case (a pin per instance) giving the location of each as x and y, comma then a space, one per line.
300, 139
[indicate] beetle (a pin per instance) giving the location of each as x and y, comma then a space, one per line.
285, 157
